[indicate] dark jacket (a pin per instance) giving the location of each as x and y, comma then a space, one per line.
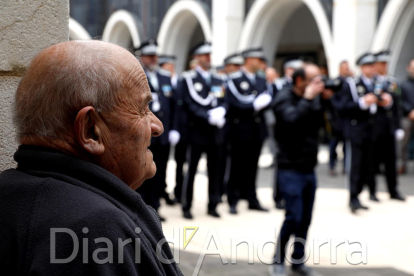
200, 97
407, 95
296, 131
358, 123
166, 113
245, 124
52, 190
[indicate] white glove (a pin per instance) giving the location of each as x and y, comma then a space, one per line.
221, 122
156, 106
262, 101
174, 137
399, 134
218, 111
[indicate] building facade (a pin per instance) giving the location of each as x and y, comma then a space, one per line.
323, 31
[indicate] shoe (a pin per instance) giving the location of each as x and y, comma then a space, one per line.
213, 213
168, 200
277, 270
332, 173
356, 205
258, 207
373, 197
397, 196
161, 218
280, 205
233, 209
402, 170
304, 271
187, 215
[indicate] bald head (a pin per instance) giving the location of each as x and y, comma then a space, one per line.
90, 99
64, 78
271, 74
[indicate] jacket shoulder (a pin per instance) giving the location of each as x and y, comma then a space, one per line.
235, 75
191, 73
164, 73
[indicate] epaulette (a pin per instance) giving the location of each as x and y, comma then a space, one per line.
164, 72
191, 73
235, 75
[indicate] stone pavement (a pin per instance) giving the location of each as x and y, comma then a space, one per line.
385, 232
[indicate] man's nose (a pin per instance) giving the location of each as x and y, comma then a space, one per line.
156, 126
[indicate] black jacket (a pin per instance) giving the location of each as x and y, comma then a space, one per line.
52, 190
407, 95
358, 123
245, 124
199, 98
296, 131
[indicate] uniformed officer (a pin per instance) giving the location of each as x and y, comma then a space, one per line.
387, 127
288, 69
232, 63
203, 93
359, 104
167, 62
159, 81
246, 96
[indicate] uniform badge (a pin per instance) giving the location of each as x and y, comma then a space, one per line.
360, 89
167, 90
198, 86
393, 86
244, 85
217, 91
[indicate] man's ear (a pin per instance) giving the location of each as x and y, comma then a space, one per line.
87, 133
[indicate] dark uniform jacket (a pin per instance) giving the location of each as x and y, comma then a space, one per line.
407, 96
165, 98
51, 190
387, 119
296, 132
200, 97
244, 122
358, 123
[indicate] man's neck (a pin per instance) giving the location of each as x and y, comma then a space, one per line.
249, 70
199, 67
297, 91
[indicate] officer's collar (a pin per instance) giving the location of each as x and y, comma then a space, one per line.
248, 74
205, 74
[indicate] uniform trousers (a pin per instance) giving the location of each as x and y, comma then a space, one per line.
360, 166
194, 153
243, 170
385, 153
180, 158
152, 189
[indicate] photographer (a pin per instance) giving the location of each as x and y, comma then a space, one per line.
298, 113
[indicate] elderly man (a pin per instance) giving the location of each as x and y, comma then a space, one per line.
84, 127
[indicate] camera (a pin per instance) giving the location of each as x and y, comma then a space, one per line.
333, 84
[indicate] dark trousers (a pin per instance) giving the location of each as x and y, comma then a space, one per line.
180, 158
299, 194
277, 194
153, 188
193, 157
385, 153
361, 166
243, 170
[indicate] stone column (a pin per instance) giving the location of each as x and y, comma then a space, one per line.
354, 23
227, 20
26, 27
